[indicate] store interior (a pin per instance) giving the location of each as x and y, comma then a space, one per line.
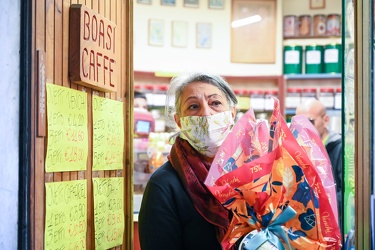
198, 36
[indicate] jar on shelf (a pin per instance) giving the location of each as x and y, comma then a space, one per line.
159, 92
257, 99
293, 59
304, 25
338, 98
290, 26
293, 98
327, 97
238, 92
268, 100
149, 92
332, 58
314, 59
308, 94
333, 24
143, 88
319, 25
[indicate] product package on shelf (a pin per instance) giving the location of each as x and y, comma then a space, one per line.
149, 154
278, 183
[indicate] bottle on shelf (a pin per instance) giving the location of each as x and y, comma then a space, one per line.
257, 100
308, 94
338, 98
327, 97
293, 98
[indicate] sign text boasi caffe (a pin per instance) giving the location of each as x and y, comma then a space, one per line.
92, 49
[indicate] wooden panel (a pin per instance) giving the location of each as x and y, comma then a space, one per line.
51, 34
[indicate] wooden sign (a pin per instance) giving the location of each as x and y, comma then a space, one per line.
93, 57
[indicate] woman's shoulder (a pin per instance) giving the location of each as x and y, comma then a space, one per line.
164, 173
165, 179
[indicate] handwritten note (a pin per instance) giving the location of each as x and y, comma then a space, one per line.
66, 216
108, 135
108, 212
67, 129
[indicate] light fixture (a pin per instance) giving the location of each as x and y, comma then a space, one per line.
246, 21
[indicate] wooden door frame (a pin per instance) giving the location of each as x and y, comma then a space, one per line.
31, 195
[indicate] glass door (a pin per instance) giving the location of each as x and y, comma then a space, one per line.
348, 80
358, 129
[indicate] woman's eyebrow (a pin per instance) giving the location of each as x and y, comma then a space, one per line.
214, 95
190, 98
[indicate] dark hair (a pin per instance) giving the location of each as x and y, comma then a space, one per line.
139, 95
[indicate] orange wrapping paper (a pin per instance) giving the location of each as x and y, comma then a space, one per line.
260, 170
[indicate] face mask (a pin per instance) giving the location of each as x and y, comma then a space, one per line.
206, 133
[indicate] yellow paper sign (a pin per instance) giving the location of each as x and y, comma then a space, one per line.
66, 217
108, 135
67, 129
108, 212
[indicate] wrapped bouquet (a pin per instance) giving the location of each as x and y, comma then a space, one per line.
277, 181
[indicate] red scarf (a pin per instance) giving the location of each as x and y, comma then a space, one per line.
193, 170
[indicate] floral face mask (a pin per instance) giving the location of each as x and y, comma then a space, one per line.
206, 133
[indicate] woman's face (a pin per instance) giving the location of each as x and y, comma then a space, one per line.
202, 99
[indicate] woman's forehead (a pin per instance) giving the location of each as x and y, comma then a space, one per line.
200, 89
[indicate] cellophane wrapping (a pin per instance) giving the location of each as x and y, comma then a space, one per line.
277, 181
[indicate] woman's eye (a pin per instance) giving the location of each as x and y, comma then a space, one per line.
193, 106
216, 103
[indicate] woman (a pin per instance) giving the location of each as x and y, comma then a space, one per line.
178, 212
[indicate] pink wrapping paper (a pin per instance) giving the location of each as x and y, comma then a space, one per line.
260, 170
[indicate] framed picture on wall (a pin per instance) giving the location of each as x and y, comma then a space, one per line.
168, 2
204, 35
179, 33
253, 41
216, 4
156, 32
317, 4
191, 3
144, 1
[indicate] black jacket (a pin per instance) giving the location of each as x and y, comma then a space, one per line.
168, 219
334, 150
